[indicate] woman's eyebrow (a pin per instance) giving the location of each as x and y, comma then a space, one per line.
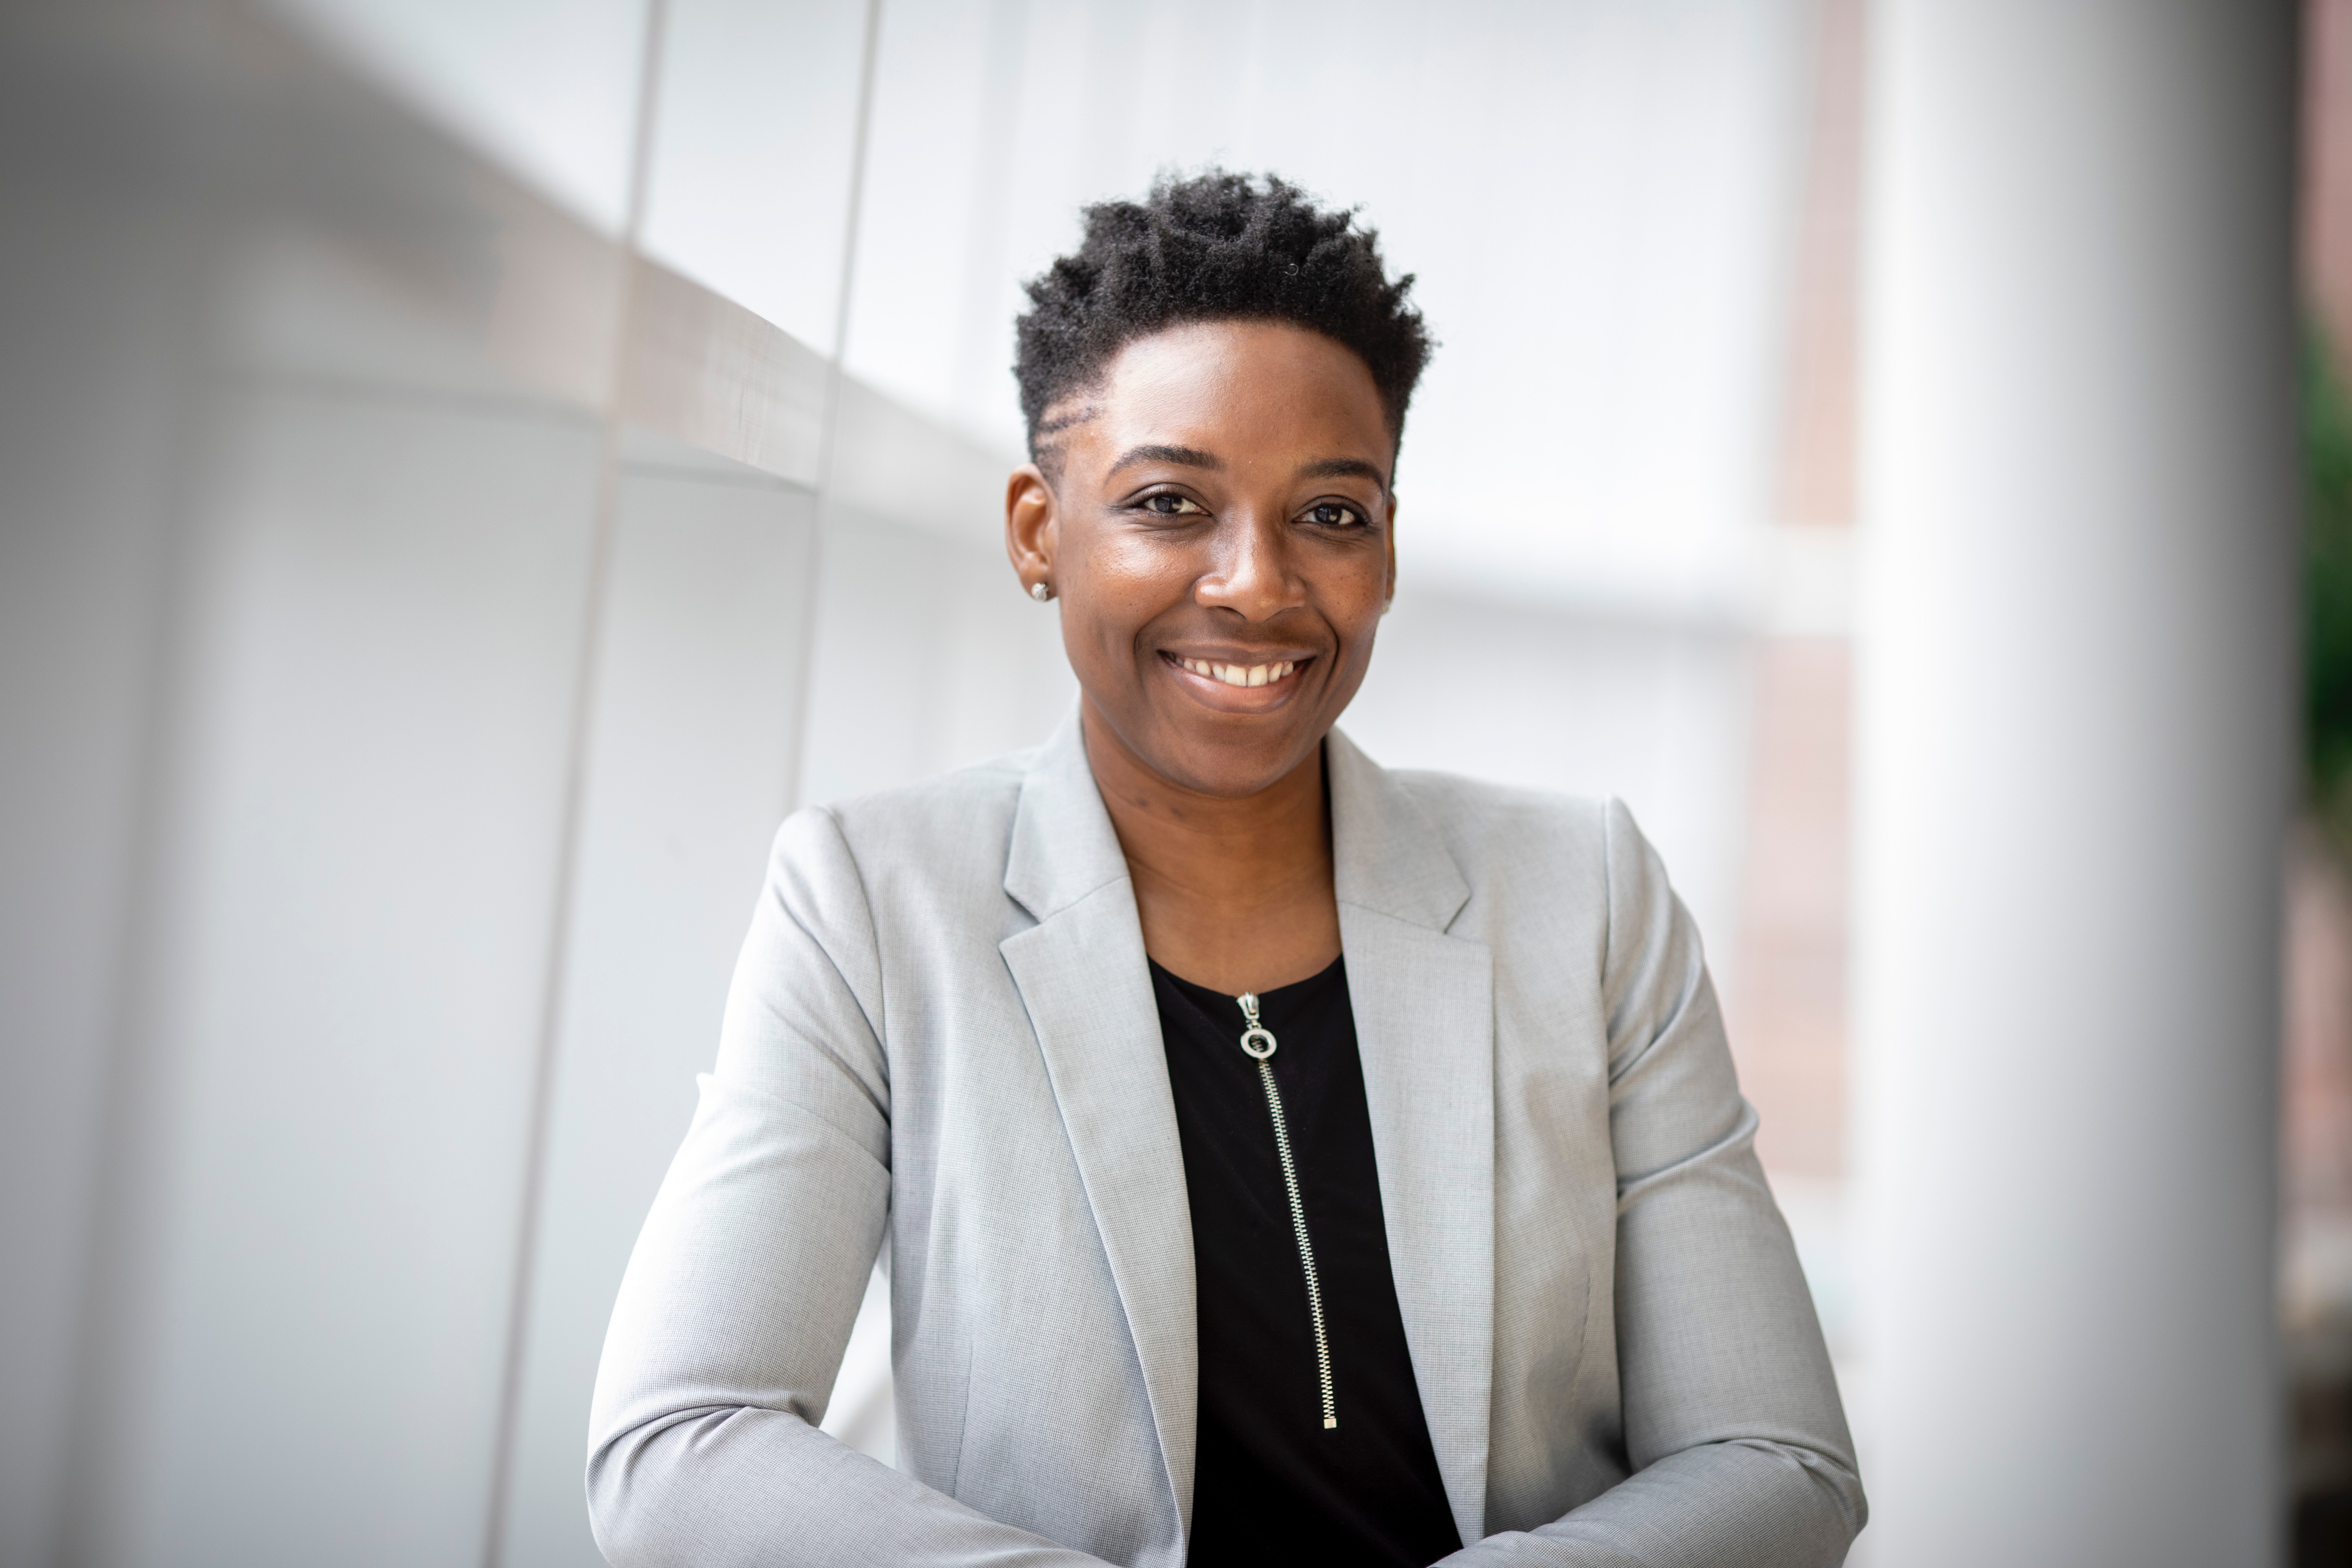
1343, 469
1191, 457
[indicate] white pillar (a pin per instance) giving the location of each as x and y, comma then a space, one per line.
2075, 753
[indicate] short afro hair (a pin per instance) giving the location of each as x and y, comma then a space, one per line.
1216, 246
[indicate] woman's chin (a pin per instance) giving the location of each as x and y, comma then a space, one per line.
1216, 739
1217, 757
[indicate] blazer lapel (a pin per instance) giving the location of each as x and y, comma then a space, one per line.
1082, 976
1425, 1028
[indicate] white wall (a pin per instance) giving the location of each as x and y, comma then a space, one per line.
546, 89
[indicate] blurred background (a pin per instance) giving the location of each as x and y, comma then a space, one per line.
467, 470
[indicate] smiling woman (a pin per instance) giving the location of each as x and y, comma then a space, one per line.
1276, 1159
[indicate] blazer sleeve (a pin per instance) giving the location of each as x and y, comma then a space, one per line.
1733, 1427
740, 1296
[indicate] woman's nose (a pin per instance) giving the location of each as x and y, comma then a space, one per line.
1252, 572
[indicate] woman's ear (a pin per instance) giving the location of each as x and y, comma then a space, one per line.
1029, 532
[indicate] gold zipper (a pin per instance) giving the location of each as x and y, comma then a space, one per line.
1257, 1041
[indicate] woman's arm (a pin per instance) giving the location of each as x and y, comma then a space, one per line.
737, 1302
1732, 1419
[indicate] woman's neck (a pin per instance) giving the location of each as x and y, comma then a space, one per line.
1234, 894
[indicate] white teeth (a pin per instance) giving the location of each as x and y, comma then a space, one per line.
1238, 674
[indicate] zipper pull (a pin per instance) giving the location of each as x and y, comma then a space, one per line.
1256, 1040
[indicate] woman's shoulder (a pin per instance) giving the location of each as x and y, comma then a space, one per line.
945, 817
890, 880
1480, 811
1505, 835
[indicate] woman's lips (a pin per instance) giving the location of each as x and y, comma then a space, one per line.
1239, 674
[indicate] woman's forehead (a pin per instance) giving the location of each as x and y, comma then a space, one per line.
1216, 384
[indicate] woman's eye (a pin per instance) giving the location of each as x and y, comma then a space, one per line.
1169, 504
1331, 514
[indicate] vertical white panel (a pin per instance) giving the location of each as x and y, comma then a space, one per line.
353, 919
547, 88
930, 318
2074, 749
96, 310
750, 174
697, 697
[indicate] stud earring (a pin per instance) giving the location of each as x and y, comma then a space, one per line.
1039, 591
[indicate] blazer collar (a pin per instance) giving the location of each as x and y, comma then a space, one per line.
1063, 847
1387, 854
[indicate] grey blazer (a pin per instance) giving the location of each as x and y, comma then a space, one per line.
941, 1041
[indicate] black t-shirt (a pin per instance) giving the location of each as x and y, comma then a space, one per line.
1274, 1485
